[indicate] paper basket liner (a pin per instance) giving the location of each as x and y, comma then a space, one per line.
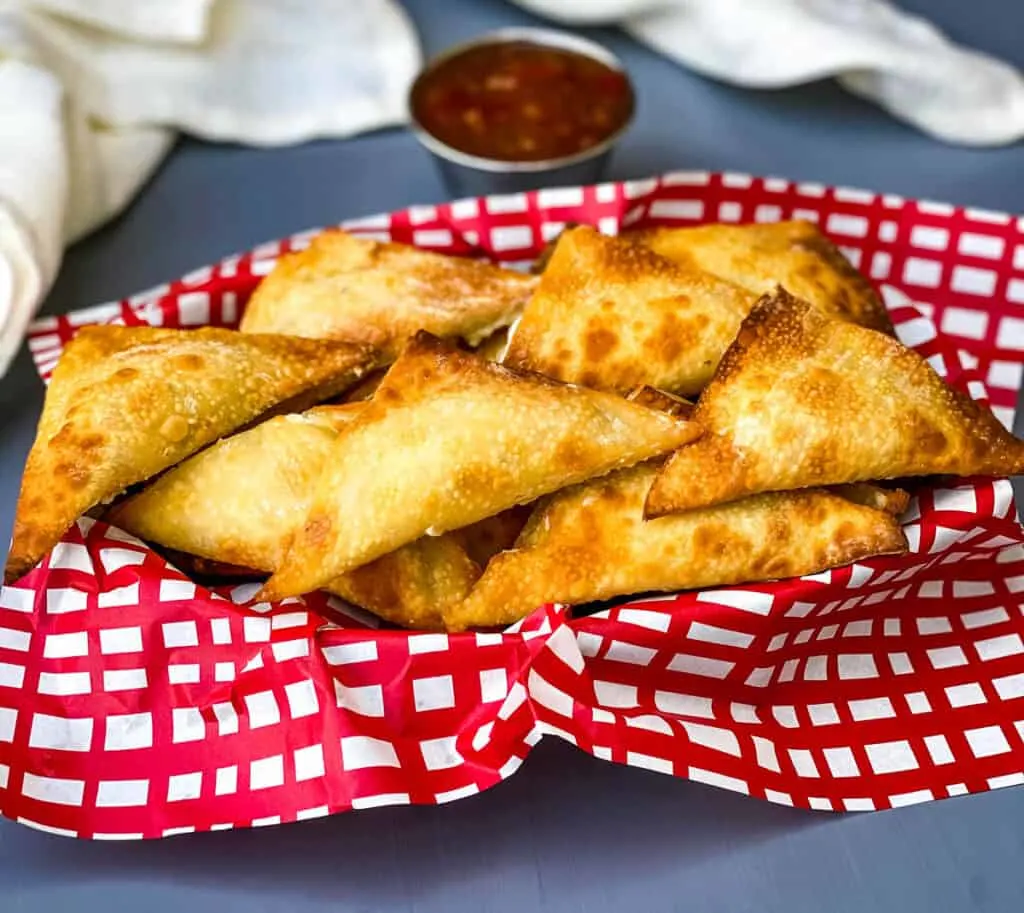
134, 703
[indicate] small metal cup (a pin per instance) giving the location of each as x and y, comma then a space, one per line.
474, 176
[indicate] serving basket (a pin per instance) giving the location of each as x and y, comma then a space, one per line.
135, 703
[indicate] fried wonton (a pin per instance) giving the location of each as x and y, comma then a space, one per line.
239, 502
613, 315
450, 439
795, 255
345, 287
125, 403
591, 542
802, 400
413, 585
408, 587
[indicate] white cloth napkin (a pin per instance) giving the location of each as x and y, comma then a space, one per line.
92, 93
899, 61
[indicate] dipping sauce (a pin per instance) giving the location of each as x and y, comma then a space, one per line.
516, 101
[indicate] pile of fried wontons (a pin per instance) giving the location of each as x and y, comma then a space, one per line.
377, 430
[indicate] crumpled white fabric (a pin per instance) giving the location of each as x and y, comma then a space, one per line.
899, 61
93, 92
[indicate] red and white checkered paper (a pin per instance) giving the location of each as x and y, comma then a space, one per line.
134, 703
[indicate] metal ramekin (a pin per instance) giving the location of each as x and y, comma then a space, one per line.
472, 175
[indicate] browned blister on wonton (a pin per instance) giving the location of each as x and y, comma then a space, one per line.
591, 542
125, 403
346, 287
450, 439
801, 399
613, 315
240, 501
758, 257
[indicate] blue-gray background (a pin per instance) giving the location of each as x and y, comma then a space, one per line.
567, 833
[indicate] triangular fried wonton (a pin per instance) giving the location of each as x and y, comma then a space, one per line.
801, 399
413, 585
590, 542
795, 255
345, 287
451, 438
125, 403
613, 315
239, 502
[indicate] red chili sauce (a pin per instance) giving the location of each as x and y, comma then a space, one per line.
521, 102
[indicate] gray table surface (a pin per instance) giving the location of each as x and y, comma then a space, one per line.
567, 832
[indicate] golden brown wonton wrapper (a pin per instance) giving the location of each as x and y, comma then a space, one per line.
346, 287
590, 542
240, 501
450, 439
795, 255
125, 403
613, 315
802, 400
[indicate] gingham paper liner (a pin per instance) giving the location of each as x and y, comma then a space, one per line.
135, 704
